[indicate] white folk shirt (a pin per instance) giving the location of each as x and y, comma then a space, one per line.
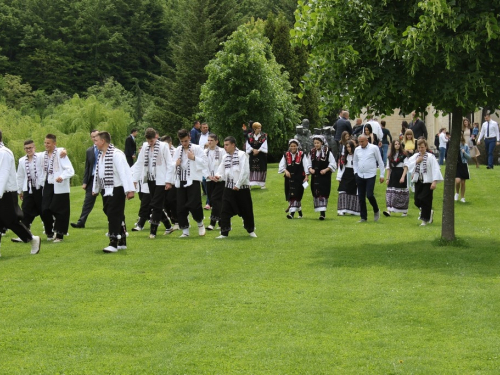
433, 172
197, 167
236, 176
122, 175
8, 180
22, 177
212, 162
366, 161
203, 140
62, 168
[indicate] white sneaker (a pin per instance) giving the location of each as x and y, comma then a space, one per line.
58, 240
137, 228
176, 227
220, 237
168, 231
404, 214
110, 249
184, 235
210, 227
35, 245
122, 247
456, 196
16, 239
252, 234
201, 230
432, 217
152, 236
424, 223
462, 200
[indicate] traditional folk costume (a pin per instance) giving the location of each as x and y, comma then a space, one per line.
30, 185
215, 189
155, 167
113, 179
235, 170
423, 175
258, 163
188, 177
321, 183
348, 200
55, 201
296, 164
397, 195
10, 213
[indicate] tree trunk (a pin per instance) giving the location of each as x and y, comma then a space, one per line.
448, 225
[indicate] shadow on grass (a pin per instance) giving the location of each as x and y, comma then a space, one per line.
473, 256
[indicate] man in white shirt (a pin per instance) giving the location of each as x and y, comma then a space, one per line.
10, 212
113, 179
366, 160
191, 165
57, 172
491, 135
376, 128
236, 200
443, 140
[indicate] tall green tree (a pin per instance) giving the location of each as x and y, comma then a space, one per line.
394, 54
245, 82
294, 61
201, 25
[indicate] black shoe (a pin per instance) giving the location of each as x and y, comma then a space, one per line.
77, 225
386, 213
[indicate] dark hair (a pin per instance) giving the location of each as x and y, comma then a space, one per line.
230, 139
105, 136
213, 136
94, 130
369, 128
196, 122
393, 150
133, 130
51, 136
382, 123
150, 133
345, 153
182, 133
166, 138
404, 125
28, 142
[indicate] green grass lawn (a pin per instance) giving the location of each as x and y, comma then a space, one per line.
305, 297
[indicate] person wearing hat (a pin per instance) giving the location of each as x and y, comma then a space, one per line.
293, 165
321, 166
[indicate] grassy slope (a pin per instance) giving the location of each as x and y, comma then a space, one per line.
305, 297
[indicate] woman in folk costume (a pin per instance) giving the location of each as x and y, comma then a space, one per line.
113, 179
155, 167
294, 165
425, 172
256, 148
397, 195
215, 186
321, 166
348, 201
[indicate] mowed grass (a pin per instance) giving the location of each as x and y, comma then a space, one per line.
305, 297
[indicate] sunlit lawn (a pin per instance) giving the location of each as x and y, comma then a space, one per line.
305, 297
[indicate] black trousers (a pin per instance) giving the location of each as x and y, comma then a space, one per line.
145, 209
365, 190
88, 203
170, 205
157, 195
10, 216
423, 199
189, 200
215, 191
236, 202
114, 208
130, 160
55, 206
31, 206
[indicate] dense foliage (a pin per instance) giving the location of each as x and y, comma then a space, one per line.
246, 83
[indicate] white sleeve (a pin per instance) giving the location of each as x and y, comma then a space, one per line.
263, 147
332, 164
21, 175
67, 167
124, 172
380, 162
244, 169
282, 166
